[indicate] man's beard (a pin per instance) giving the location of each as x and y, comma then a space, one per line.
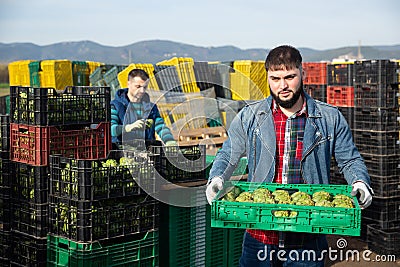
290, 102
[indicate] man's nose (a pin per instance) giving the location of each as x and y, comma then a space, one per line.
282, 83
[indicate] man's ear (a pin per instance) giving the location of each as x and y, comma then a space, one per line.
303, 74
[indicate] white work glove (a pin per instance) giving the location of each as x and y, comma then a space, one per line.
365, 194
137, 125
171, 143
213, 188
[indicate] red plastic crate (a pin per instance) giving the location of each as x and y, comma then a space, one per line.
34, 144
340, 96
315, 72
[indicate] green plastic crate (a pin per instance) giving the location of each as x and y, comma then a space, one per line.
34, 69
240, 169
80, 73
187, 239
183, 235
7, 104
139, 250
235, 240
310, 219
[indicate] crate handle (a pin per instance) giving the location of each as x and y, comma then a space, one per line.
291, 213
23, 129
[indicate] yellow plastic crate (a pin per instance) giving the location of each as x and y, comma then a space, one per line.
18, 73
149, 68
249, 81
56, 74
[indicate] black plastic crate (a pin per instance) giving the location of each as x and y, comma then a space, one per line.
220, 75
5, 247
181, 163
383, 209
28, 250
376, 95
7, 172
98, 220
116, 176
384, 241
386, 186
49, 107
203, 75
167, 78
316, 91
381, 71
377, 119
382, 165
4, 134
340, 74
377, 142
30, 183
5, 210
30, 218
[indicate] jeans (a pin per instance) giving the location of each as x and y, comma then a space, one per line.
257, 254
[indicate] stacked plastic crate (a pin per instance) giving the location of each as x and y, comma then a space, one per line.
376, 129
219, 72
51, 73
98, 214
5, 190
249, 81
185, 70
44, 122
340, 93
187, 238
315, 81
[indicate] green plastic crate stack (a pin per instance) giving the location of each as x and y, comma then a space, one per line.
96, 77
140, 250
34, 69
183, 235
187, 238
5, 104
224, 246
80, 73
111, 78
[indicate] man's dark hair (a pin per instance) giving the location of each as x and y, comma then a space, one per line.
138, 73
283, 57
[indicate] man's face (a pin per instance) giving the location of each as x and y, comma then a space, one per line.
137, 88
285, 86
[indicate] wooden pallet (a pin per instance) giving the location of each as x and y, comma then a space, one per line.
212, 137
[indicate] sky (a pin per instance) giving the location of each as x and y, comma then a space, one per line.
245, 24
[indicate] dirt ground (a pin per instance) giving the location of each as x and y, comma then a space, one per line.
355, 243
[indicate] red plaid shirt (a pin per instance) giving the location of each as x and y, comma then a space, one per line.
289, 149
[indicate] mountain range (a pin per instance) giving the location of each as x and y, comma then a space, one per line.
154, 51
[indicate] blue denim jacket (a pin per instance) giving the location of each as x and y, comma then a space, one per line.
326, 134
